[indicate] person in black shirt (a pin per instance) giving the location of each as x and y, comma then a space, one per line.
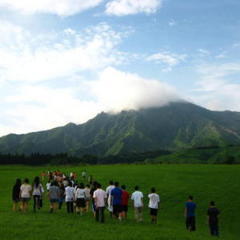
213, 213
16, 194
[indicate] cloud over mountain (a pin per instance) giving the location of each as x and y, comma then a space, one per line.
116, 90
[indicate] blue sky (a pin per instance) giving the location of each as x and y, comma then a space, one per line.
67, 60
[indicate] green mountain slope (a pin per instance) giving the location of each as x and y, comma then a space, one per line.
224, 155
174, 126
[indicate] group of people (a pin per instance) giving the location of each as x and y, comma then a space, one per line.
212, 214
79, 197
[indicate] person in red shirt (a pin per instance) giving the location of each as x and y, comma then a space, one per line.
124, 202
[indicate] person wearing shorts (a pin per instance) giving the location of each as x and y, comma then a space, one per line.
53, 195
80, 197
116, 195
37, 193
153, 205
124, 202
25, 194
137, 198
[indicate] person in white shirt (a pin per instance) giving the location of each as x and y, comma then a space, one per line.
37, 193
80, 197
99, 197
48, 184
137, 198
153, 204
109, 197
69, 197
25, 194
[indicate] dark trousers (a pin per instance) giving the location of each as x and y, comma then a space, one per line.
100, 214
36, 202
69, 207
214, 229
190, 223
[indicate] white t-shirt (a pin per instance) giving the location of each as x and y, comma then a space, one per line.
38, 190
109, 189
69, 194
25, 190
80, 193
137, 197
100, 195
154, 200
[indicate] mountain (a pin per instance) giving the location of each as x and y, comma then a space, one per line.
174, 126
222, 155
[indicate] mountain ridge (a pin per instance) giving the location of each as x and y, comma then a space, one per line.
173, 126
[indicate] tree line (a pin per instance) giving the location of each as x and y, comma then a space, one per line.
37, 159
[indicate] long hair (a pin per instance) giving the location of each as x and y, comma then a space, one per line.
36, 181
18, 183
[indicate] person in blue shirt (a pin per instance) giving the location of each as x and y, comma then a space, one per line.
189, 213
116, 194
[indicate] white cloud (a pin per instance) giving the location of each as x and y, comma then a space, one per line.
58, 7
29, 58
218, 88
37, 107
116, 90
168, 59
31, 66
128, 7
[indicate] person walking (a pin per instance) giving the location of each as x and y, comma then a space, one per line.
69, 197
153, 204
116, 195
88, 196
124, 202
61, 196
99, 197
92, 190
37, 193
213, 213
189, 214
109, 197
25, 193
137, 198
16, 195
80, 197
53, 195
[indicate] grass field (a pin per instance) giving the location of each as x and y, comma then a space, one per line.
173, 182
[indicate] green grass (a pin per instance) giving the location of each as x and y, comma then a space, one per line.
173, 182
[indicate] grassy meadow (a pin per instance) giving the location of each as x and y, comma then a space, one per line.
173, 182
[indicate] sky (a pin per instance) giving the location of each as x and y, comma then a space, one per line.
65, 61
